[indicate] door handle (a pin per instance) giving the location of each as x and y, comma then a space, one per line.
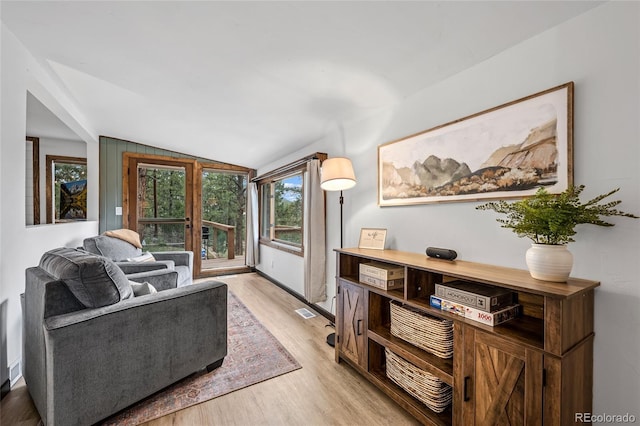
466, 396
359, 328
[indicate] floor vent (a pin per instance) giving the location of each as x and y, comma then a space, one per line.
305, 313
15, 372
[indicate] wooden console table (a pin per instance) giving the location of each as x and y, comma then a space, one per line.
536, 369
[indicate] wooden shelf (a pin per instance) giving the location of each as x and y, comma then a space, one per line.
442, 368
396, 294
526, 330
409, 403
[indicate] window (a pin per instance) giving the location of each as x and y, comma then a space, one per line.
282, 211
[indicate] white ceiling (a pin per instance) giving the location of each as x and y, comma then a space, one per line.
246, 82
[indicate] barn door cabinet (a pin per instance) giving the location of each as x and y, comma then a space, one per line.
533, 370
352, 323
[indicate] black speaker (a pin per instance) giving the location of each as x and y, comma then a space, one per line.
441, 253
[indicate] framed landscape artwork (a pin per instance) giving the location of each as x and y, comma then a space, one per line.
73, 200
504, 152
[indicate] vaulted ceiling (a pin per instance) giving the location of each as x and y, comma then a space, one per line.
246, 82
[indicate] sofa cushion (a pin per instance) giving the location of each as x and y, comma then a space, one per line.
184, 275
112, 248
94, 280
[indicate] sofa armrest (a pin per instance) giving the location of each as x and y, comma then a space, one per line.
135, 267
160, 279
143, 344
183, 258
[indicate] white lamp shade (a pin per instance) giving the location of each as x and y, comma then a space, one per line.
337, 174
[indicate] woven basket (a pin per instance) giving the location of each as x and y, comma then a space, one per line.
425, 387
431, 334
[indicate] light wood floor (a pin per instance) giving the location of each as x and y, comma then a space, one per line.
223, 262
322, 392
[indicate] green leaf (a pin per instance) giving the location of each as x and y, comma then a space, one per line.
551, 218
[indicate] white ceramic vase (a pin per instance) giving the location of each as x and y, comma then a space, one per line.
549, 262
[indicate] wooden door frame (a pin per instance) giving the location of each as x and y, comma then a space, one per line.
193, 196
130, 161
35, 178
197, 259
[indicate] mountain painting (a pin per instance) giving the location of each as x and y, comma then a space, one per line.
73, 200
507, 151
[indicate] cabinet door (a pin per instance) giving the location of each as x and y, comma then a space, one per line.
352, 325
502, 381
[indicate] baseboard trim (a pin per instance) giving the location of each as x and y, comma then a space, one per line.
328, 315
5, 389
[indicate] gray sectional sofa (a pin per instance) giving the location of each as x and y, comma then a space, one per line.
92, 348
120, 251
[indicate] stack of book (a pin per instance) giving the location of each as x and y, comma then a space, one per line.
383, 276
485, 304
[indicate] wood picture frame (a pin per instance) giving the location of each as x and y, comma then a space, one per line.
504, 152
372, 238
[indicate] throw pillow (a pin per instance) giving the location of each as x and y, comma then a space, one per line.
140, 289
145, 257
132, 237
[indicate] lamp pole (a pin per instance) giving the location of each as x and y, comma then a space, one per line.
341, 226
337, 174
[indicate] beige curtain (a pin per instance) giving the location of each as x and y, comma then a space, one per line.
315, 283
253, 249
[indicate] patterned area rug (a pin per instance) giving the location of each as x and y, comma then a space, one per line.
254, 355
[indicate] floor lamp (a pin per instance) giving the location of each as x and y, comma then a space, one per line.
337, 175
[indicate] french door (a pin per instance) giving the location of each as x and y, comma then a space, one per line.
159, 200
182, 204
223, 216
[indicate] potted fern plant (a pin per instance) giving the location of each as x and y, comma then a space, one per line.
549, 221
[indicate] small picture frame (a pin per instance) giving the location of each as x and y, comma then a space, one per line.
372, 238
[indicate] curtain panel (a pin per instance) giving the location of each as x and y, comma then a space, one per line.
315, 283
253, 231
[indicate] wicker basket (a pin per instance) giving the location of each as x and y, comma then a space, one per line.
425, 387
432, 334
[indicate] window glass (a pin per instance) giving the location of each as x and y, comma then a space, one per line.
282, 211
265, 225
288, 209
161, 196
224, 218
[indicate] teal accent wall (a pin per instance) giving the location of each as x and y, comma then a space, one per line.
111, 150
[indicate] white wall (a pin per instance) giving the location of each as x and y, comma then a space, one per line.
22, 246
600, 52
285, 268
